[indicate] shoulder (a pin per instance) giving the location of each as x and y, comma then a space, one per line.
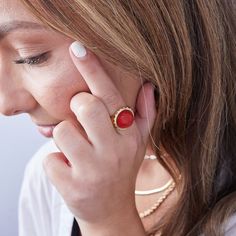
35, 182
41, 209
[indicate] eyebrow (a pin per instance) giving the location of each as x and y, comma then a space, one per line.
9, 27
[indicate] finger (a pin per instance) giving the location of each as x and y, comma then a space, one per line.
98, 81
94, 118
146, 110
57, 169
71, 143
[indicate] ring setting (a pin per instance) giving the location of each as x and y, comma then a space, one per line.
123, 118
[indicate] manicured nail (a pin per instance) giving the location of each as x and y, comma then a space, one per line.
78, 49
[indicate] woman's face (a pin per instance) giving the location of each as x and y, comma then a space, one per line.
44, 86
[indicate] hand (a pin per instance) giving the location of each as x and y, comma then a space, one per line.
99, 183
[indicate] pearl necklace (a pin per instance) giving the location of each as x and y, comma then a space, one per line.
156, 190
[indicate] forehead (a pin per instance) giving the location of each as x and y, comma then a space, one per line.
15, 10
8, 27
15, 16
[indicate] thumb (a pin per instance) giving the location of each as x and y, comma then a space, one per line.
146, 110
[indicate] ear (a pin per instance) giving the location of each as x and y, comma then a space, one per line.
146, 110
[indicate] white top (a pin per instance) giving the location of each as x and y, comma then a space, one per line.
43, 212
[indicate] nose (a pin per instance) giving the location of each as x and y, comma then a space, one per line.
14, 102
15, 96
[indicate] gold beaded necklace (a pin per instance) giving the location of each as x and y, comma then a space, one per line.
156, 205
169, 187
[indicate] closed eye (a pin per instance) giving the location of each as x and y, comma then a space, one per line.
35, 60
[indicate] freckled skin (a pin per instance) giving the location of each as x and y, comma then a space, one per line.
44, 91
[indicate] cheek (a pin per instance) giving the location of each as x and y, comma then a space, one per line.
55, 90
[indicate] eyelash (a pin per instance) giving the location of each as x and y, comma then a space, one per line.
36, 60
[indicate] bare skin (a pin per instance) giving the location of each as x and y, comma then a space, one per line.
52, 92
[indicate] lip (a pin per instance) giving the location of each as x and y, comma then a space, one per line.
46, 130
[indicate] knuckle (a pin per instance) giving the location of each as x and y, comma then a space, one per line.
112, 99
78, 99
62, 129
90, 110
47, 161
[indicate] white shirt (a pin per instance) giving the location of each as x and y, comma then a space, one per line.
43, 212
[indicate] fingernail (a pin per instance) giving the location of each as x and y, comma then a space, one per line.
78, 49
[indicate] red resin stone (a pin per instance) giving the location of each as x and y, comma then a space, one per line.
125, 119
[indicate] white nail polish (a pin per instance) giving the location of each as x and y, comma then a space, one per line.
78, 49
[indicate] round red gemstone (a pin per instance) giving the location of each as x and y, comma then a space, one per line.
125, 119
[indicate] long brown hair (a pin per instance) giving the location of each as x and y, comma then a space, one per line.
188, 50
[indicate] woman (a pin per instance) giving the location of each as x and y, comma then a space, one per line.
163, 166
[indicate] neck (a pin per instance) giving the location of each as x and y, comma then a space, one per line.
152, 175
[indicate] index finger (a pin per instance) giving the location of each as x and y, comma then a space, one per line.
98, 81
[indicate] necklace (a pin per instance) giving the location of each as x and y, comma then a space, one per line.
154, 157
151, 157
152, 191
169, 187
156, 190
156, 205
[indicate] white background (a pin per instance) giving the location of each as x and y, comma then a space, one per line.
19, 140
